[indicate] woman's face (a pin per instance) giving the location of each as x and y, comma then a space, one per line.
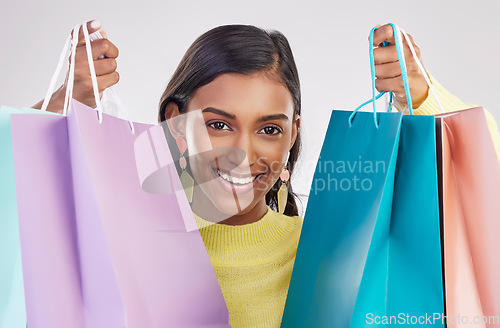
249, 120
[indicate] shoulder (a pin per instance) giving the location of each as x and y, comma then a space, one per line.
289, 229
293, 221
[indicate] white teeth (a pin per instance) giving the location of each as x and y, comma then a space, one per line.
234, 179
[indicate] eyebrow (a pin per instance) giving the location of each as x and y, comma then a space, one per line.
233, 117
219, 112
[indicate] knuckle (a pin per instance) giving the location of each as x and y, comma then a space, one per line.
113, 64
111, 47
417, 51
86, 85
80, 75
407, 52
98, 46
380, 56
387, 31
104, 46
412, 66
100, 86
401, 97
401, 85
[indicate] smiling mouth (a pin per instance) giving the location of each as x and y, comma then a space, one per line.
237, 181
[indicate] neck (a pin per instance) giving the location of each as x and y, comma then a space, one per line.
205, 209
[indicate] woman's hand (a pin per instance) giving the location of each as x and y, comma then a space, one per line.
105, 69
388, 71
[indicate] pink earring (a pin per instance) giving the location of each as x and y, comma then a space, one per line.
283, 191
186, 179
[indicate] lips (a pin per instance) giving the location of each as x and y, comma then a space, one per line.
236, 183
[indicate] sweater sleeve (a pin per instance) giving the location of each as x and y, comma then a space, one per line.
452, 103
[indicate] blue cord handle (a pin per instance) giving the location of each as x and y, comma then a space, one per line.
389, 108
374, 96
404, 75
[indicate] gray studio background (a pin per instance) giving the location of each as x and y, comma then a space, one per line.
458, 40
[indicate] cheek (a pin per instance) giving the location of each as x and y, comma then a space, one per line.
273, 154
201, 153
198, 144
197, 137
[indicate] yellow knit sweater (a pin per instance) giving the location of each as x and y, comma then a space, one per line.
253, 262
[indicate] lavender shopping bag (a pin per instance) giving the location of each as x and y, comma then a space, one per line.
136, 246
12, 301
46, 221
97, 249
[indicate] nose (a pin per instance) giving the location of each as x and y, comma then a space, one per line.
242, 150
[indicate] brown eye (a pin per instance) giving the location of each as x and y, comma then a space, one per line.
271, 130
219, 125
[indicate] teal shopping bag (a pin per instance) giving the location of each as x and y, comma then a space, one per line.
408, 258
350, 201
12, 302
415, 280
12, 297
371, 256
12, 308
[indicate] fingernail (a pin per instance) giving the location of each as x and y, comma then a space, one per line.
95, 24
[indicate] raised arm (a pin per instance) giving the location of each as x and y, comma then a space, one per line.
388, 74
105, 70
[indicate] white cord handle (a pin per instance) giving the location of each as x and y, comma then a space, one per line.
53, 81
93, 75
420, 66
122, 107
73, 41
71, 75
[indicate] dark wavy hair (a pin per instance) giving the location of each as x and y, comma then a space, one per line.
242, 49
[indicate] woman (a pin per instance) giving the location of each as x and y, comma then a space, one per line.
245, 82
